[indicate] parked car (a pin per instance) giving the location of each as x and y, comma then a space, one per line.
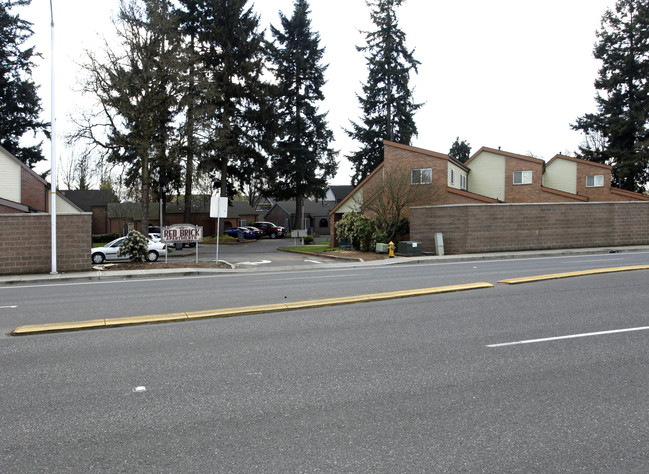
155, 236
270, 229
234, 232
109, 251
258, 233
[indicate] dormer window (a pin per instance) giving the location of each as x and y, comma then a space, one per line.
523, 177
595, 181
421, 176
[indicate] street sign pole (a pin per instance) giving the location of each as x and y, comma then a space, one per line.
218, 209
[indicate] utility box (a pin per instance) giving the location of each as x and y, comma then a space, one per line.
408, 248
439, 244
381, 248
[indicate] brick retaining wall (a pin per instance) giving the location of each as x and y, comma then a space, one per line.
25, 243
475, 228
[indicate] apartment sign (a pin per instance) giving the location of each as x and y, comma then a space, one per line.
185, 233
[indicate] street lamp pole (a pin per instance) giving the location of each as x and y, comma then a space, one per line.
53, 149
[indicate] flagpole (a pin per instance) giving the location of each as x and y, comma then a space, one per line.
53, 149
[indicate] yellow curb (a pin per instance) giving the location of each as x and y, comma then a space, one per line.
555, 276
59, 327
153, 318
227, 312
221, 313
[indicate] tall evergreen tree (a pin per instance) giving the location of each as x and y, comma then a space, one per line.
136, 95
460, 150
304, 161
235, 102
20, 105
387, 101
621, 124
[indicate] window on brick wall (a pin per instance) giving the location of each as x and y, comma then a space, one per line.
595, 181
523, 177
242, 222
452, 176
421, 176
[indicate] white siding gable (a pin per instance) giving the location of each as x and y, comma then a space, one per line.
488, 175
562, 175
9, 178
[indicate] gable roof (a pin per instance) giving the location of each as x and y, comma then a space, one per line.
37, 176
579, 160
423, 151
86, 199
359, 186
340, 192
507, 154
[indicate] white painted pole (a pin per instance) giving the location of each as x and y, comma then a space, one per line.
53, 150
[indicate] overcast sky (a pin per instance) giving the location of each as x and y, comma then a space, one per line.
499, 73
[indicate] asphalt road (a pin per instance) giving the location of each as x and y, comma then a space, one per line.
86, 300
527, 378
399, 386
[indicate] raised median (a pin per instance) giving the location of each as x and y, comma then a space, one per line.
240, 311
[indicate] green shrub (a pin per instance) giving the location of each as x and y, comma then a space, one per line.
135, 246
308, 240
356, 229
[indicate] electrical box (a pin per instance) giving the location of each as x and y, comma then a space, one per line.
408, 248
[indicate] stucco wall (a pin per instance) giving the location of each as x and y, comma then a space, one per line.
25, 243
474, 228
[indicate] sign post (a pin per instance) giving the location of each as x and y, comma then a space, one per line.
218, 209
183, 233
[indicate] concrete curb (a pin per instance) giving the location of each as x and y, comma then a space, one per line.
556, 276
229, 312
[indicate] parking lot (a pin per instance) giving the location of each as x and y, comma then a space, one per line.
251, 253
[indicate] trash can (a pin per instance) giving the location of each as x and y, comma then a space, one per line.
239, 235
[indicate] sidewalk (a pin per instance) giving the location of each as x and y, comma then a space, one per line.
189, 271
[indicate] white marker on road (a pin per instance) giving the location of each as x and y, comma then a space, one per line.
254, 263
571, 336
8, 307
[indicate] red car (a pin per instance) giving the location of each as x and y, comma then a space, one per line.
270, 229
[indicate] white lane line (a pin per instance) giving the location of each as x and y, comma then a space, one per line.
571, 336
9, 307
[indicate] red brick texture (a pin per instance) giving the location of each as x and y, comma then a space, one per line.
33, 191
25, 243
476, 228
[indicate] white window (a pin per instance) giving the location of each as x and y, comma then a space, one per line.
523, 177
462, 181
595, 181
421, 176
452, 176
242, 222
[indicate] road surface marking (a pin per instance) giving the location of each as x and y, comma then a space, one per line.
313, 261
263, 262
571, 336
8, 307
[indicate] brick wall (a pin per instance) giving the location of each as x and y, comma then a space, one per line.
33, 191
9, 210
25, 243
475, 228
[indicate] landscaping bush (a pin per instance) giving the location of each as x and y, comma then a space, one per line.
308, 240
135, 246
357, 229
